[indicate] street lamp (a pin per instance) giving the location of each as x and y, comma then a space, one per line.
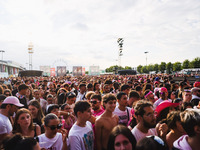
120, 42
2, 51
146, 56
30, 51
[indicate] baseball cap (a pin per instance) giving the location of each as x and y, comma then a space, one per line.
163, 89
196, 84
164, 105
195, 89
12, 100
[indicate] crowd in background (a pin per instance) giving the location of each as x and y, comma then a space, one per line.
99, 112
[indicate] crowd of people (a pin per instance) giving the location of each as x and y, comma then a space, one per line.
107, 112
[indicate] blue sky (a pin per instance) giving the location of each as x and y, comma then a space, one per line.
85, 32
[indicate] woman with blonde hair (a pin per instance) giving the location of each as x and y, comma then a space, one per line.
24, 124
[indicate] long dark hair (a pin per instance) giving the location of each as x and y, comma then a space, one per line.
36, 104
117, 130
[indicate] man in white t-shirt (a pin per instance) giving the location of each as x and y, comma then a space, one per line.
9, 106
122, 111
163, 96
81, 136
81, 93
52, 139
146, 120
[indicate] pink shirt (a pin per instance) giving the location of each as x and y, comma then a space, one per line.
98, 113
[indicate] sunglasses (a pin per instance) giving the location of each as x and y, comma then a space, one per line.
93, 102
157, 139
55, 127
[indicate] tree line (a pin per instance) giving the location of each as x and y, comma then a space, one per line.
169, 67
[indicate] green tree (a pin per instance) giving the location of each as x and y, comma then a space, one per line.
177, 66
111, 68
150, 67
114, 68
186, 64
139, 68
162, 67
195, 63
156, 68
144, 69
169, 67
128, 67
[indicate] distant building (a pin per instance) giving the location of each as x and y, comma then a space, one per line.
77, 71
46, 70
61, 71
94, 70
10, 68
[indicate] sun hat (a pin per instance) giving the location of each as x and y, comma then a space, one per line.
12, 100
164, 105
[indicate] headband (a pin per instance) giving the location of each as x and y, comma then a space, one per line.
148, 94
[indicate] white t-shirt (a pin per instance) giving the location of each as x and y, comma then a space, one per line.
81, 138
5, 125
140, 135
156, 103
55, 143
80, 97
123, 116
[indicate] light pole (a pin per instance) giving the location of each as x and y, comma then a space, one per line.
30, 51
120, 41
146, 56
2, 51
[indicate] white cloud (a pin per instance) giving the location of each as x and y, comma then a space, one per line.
86, 32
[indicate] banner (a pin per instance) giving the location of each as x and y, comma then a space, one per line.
94, 70
77, 71
53, 72
46, 70
61, 70
83, 71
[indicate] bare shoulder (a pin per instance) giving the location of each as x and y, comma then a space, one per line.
37, 126
99, 120
38, 129
115, 116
